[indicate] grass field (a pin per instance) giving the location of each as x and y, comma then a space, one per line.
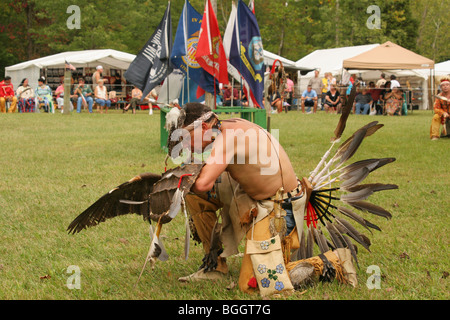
54, 166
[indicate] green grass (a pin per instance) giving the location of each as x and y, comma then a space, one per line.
54, 166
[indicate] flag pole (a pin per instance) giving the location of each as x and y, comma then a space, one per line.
185, 18
168, 61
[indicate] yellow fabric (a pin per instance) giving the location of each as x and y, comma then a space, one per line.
12, 108
318, 265
440, 107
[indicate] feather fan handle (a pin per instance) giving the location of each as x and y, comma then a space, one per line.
322, 161
188, 231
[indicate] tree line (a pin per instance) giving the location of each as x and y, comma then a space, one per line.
291, 28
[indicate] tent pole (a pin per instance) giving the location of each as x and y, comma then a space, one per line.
67, 78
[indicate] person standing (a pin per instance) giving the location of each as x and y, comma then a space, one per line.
324, 89
289, 91
7, 95
316, 83
97, 76
381, 82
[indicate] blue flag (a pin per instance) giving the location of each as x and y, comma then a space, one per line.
189, 95
246, 52
185, 47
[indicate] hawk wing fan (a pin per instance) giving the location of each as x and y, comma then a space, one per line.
149, 195
129, 197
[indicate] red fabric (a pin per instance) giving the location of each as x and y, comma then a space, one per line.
200, 92
252, 283
6, 90
210, 53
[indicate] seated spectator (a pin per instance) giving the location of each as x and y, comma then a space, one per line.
230, 94
151, 98
60, 98
7, 95
394, 102
136, 96
101, 96
275, 100
376, 97
44, 96
363, 101
84, 95
309, 99
244, 99
26, 97
441, 111
333, 100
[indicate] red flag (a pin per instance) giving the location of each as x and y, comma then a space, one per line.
251, 6
210, 53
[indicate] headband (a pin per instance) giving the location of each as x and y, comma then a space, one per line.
197, 122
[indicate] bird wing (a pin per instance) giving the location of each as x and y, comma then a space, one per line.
149, 195
129, 197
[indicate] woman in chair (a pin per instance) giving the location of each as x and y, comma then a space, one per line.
44, 96
26, 97
101, 96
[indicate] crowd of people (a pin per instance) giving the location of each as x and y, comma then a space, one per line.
82, 95
384, 97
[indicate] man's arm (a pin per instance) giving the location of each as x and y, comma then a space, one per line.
221, 155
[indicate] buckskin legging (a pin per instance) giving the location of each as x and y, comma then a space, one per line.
238, 211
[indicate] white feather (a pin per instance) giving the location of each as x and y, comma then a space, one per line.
172, 118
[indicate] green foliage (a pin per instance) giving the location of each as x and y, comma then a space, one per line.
55, 166
31, 29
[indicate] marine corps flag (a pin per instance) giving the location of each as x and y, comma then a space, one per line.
246, 52
152, 64
210, 52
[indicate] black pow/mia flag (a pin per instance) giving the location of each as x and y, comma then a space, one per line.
152, 64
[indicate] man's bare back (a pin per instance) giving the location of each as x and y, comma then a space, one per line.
253, 157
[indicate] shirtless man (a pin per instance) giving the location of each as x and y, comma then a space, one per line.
244, 171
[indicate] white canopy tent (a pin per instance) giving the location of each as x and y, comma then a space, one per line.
442, 68
108, 58
270, 57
